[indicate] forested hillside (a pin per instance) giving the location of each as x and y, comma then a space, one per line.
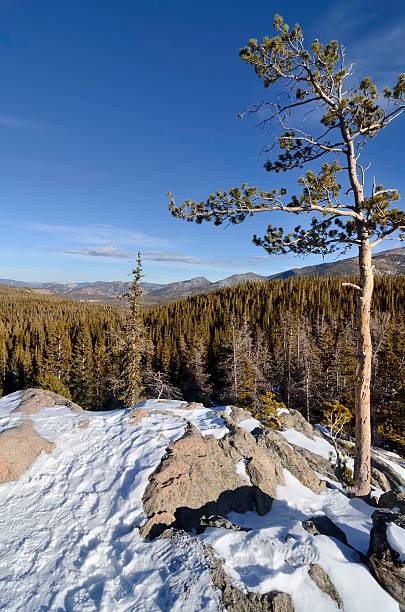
295, 337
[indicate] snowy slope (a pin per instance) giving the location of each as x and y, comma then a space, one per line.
69, 538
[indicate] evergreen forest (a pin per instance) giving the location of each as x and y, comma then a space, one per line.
293, 337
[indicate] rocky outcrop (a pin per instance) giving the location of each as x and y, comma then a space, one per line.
19, 447
235, 600
317, 462
393, 500
294, 419
281, 452
238, 414
379, 480
324, 583
396, 482
197, 477
33, 400
384, 562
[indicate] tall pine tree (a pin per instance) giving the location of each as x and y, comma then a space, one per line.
131, 383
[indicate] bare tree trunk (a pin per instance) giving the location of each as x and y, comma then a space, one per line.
362, 460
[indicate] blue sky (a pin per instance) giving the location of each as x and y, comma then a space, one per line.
107, 105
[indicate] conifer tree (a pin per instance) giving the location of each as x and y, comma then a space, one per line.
346, 211
195, 378
82, 373
133, 341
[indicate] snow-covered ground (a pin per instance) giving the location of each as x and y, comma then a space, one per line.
69, 538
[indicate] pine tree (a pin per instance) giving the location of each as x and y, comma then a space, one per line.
194, 377
315, 78
133, 341
82, 373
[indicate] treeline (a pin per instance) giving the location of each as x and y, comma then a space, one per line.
294, 337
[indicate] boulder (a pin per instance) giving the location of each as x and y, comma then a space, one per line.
33, 400
383, 561
393, 500
396, 482
296, 420
19, 447
324, 583
317, 462
283, 453
379, 480
239, 414
195, 478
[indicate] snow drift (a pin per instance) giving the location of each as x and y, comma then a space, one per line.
71, 523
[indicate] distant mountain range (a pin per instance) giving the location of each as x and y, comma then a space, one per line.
390, 263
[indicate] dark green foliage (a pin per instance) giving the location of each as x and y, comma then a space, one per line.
304, 329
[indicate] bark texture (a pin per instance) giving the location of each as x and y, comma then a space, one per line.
362, 457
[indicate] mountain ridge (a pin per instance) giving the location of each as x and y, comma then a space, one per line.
390, 262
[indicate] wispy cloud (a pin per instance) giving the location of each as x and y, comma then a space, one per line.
17, 123
101, 251
112, 252
96, 234
114, 244
377, 45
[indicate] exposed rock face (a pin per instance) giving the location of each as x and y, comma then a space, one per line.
196, 478
235, 600
396, 482
283, 453
33, 400
323, 582
393, 500
19, 447
239, 414
294, 419
378, 479
317, 462
384, 562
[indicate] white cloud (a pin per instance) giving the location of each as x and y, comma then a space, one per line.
112, 252
96, 234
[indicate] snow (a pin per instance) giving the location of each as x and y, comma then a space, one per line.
240, 469
69, 537
319, 446
68, 527
205, 419
277, 552
7, 405
396, 539
250, 424
399, 469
